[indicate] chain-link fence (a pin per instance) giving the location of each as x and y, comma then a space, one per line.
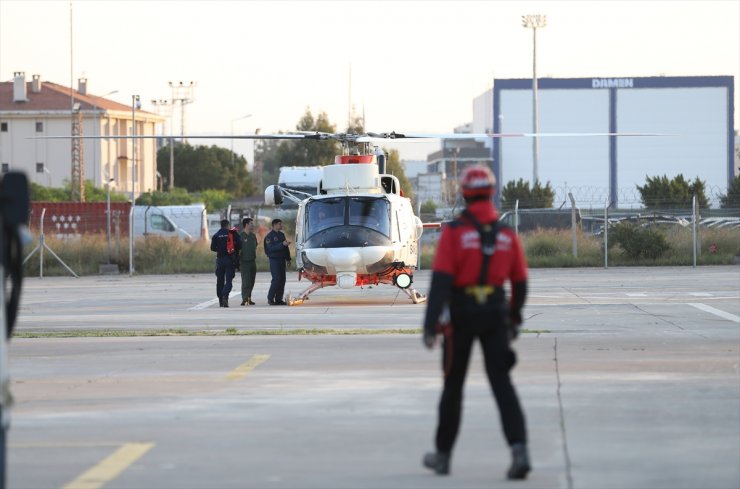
626, 198
573, 232
593, 235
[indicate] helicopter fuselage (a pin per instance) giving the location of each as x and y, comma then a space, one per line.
356, 239
359, 230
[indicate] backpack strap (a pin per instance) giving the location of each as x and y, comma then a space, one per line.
487, 234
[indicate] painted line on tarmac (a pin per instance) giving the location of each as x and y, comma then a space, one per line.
110, 467
716, 312
242, 370
207, 304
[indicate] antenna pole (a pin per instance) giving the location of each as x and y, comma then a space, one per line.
349, 99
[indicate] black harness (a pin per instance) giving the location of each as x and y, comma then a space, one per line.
483, 298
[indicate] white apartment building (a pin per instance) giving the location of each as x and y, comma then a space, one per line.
35, 108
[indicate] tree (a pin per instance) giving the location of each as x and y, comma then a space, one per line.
732, 199
207, 167
177, 196
39, 193
275, 154
538, 197
428, 207
661, 193
215, 199
356, 125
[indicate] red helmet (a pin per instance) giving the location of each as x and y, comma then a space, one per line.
477, 181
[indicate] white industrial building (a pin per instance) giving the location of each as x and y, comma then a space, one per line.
693, 114
35, 108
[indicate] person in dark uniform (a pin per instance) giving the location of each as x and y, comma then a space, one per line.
248, 257
276, 248
225, 261
474, 257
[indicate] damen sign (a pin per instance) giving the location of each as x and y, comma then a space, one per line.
612, 83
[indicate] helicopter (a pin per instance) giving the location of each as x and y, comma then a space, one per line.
358, 230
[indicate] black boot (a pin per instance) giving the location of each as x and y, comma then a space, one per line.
244, 302
226, 302
438, 462
519, 462
249, 301
220, 302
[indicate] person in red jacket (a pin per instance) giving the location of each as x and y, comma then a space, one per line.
475, 256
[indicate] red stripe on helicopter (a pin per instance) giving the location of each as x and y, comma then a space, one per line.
348, 159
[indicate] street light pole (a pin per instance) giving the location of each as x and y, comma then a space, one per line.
535, 22
135, 104
107, 201
165, 107
232, 135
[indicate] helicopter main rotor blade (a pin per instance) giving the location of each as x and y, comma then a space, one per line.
196, 136
367, 137
523, 135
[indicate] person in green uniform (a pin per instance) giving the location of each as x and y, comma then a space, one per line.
248, 256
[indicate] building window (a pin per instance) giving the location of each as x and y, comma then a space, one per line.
6, 167
3, 127
39, 127
39, 168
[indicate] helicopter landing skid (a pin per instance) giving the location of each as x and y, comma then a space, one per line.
303, 295
415, 296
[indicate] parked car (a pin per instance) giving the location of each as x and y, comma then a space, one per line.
181, 221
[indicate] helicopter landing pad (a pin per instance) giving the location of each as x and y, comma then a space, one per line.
628, 377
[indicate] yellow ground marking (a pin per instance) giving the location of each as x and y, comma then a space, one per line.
110, 467
242, 370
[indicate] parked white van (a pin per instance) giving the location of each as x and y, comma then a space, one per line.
181, 221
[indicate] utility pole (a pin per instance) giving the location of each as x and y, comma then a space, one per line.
135, 104
78, 163
183, 94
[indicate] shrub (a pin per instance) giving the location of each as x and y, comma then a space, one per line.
639, 242
428, 207
541, 243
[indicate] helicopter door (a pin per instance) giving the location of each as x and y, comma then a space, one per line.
299, 231
397, 228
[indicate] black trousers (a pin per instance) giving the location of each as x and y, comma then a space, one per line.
225, 273
277, 285
499, 359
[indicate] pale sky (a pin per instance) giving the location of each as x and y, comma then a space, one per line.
416, 65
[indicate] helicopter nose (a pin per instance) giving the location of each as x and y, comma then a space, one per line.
345, 258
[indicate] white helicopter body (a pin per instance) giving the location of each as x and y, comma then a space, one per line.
359, 230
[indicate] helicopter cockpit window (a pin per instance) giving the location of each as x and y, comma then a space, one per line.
323, 214
370, 213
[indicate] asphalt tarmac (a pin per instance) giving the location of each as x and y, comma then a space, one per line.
630, 378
